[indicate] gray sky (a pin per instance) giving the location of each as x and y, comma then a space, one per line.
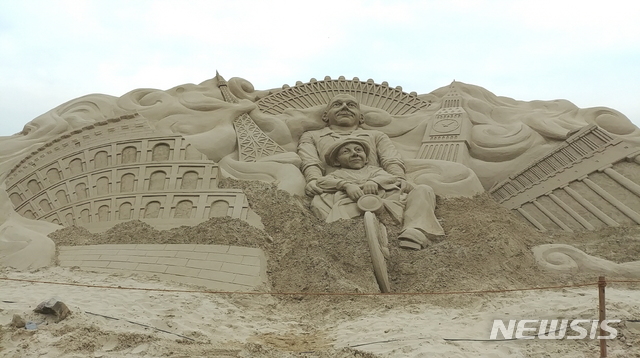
585, 51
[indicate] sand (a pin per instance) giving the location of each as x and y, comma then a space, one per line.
485, 248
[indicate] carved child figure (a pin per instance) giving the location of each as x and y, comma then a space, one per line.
355, 178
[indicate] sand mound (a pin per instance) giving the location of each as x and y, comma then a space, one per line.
486, 246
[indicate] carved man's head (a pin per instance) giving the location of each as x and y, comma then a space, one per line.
344, 111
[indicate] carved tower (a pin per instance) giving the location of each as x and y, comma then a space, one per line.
253, 143
447, 136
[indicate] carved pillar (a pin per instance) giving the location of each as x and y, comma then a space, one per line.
571, 212
550, 215
531, 219
620, 179
587, 205
615, 202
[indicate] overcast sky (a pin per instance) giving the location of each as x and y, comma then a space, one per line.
585, 51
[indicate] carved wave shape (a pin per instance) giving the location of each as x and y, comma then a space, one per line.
566, 258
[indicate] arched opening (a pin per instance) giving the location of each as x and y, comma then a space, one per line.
101, 159
53, 175
189, 180
157, 179
69, 219
160, 152
125, 211
61, 195
152, 210
219, 208
16, 199
103, 213
34, 186
129, 155
29, 214
81, 191
102, 186
85, 217
183, 209
127, 183
44, 204
75, 166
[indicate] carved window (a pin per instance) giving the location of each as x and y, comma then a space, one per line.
125, 211
129, 155
189, 180
160, 152
69, 219
103, 213
54, 175
191, 153
16, 199
81, 191
44, 204
219, 208
126, 183
61, 195
156, 181
102, 186
85, 217
34, 186
55, 221
152, 210
101, 159
29, 214
183, 209
75, 166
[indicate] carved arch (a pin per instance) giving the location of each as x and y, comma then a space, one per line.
315, 93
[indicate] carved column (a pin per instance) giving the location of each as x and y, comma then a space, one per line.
571, 212
550, 215
531, 219
587, 205
615, 202
620, 179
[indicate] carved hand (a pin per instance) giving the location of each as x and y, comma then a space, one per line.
405, 186
370, 187
312, 188
353, 191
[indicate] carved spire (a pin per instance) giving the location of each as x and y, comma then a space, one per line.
253, 143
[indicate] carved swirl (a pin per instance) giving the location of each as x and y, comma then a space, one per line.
497, 143
566, 258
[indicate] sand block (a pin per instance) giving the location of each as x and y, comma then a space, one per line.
216, 267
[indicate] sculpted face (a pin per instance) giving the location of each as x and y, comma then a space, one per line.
344, 111
352, 156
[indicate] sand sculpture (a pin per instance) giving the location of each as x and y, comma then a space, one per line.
156, 155
376, 169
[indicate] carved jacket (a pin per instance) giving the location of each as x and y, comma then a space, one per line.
313, 146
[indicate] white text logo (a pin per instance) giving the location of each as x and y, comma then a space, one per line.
553, 329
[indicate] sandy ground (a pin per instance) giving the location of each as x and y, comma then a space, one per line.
214, 325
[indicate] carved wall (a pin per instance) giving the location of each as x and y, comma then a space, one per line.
119, 170
591, 181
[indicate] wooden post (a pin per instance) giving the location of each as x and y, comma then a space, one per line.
603, 342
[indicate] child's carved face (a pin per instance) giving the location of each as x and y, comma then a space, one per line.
352, 156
